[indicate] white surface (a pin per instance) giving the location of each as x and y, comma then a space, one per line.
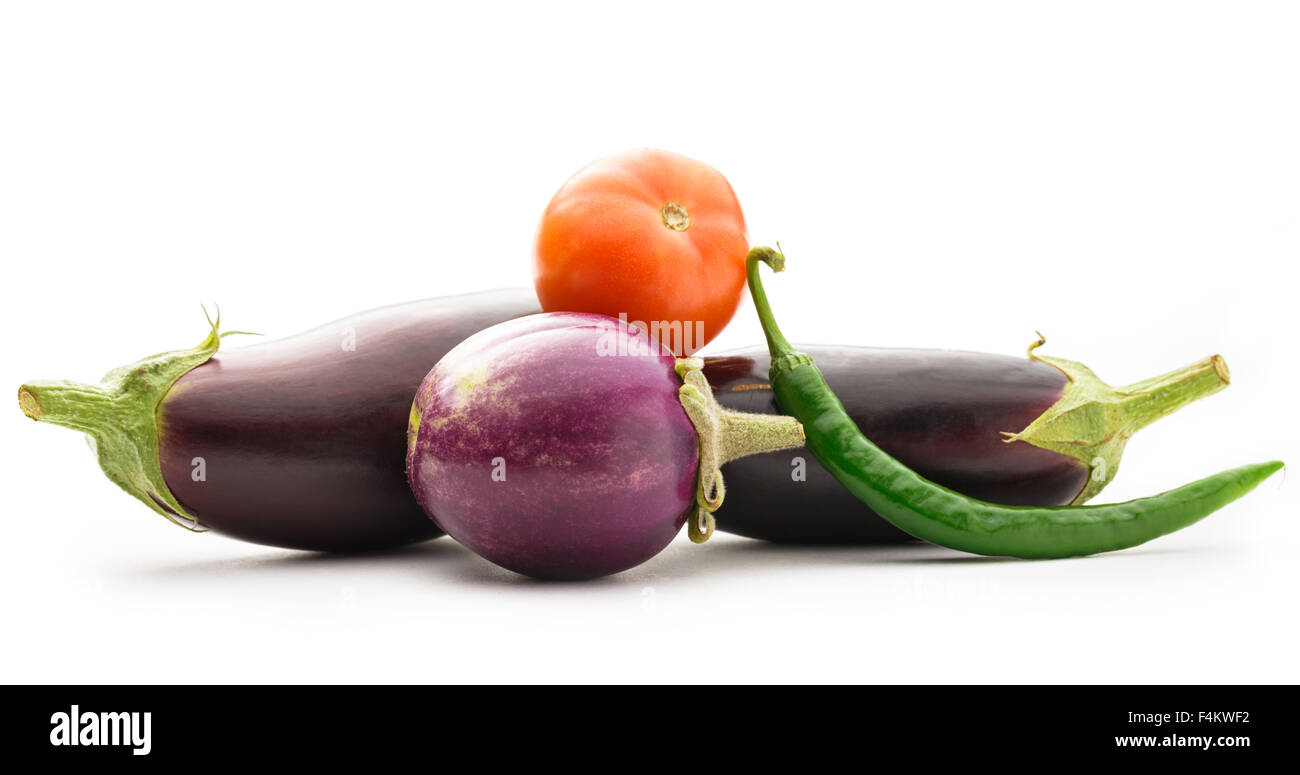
1122, 176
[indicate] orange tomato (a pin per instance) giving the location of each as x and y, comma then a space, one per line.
652, 235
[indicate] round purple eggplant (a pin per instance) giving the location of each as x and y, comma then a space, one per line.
567, 446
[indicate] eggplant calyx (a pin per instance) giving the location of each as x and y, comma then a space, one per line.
1092, 422
119, 416
724, 435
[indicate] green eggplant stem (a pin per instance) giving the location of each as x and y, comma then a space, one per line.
1092, 422
724, 435
119, 415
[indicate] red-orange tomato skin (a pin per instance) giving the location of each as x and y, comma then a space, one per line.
604, 246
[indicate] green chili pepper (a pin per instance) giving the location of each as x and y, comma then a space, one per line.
939, 515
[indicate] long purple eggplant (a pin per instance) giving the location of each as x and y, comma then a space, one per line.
296, 443
1035, 431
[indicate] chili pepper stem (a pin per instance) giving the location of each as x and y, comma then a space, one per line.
724, 435
776, 341
1093, 421
120, 417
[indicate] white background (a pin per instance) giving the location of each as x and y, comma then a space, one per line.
1123, 176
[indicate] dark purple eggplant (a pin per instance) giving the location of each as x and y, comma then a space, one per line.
297, 443
1034, 431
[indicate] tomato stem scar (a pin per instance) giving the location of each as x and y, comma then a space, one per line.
675, 216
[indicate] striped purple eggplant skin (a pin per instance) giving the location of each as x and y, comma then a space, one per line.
946, 415
555, 446
303, 438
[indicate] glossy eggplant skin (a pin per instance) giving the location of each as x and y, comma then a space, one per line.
303, 439
940, 412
